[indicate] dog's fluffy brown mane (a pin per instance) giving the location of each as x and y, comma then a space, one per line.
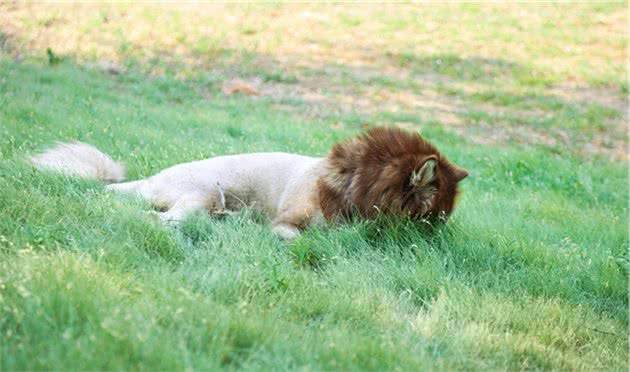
371, 174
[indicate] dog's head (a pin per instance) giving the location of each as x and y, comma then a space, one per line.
388, 170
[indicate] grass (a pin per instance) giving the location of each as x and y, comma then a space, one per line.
531, 272
413, 57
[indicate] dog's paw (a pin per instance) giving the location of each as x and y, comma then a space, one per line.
222, 213
164, 217
154, 215
286, 231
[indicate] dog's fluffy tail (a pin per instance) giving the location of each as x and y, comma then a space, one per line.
81, 160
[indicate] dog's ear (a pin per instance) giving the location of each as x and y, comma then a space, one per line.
425, 173
460, 173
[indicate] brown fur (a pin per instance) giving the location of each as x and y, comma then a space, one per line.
371, 174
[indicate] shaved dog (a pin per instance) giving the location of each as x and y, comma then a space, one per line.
385, 170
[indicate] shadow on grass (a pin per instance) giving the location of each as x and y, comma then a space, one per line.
477, 69
294, 87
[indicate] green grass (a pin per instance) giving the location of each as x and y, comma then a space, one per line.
530, 273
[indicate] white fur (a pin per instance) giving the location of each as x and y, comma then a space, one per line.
81, 160
281, 185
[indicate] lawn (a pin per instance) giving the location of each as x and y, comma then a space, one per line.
531, 271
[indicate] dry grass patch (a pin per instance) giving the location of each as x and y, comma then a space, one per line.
336, 59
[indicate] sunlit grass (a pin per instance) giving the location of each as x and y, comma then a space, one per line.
530, 272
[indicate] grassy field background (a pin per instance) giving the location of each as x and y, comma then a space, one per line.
530, 273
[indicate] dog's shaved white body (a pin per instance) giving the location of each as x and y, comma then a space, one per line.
269, 182
281, 185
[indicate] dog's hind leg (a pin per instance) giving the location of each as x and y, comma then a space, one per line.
139, 188
184, 206
177, 205
133, 187
142, 188
286, 231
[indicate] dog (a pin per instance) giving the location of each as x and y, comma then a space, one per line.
382, 171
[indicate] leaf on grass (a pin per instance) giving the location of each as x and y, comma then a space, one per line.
239, 86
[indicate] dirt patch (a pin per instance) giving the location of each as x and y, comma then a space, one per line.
607, 97
323, 96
